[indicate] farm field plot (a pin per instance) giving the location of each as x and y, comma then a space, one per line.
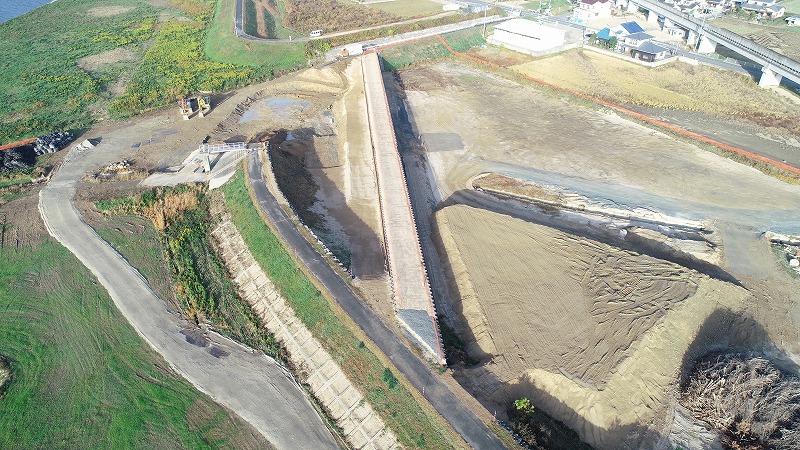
784, 40
674, 86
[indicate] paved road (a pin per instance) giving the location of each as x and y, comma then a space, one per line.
475, 432
253, 386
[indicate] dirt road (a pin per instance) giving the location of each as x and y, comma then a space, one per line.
250, 384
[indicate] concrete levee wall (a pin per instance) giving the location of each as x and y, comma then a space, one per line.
409, 278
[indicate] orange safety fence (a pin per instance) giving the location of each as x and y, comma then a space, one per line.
639, 116
17, 144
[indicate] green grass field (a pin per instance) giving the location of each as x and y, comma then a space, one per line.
81, 376
792, 7
416, 424
95, 60
408, 8
223, 46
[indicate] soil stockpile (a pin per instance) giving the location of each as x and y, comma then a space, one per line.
593, 334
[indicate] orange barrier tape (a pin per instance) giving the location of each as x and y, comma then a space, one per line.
17, 144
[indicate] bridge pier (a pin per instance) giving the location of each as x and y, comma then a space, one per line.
691, 38
706, 45
667, 23
769, 78
652, 16
631, 6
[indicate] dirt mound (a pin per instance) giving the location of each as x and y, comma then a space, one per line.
593, 334
580, 303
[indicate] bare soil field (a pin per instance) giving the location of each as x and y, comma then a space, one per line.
595, 326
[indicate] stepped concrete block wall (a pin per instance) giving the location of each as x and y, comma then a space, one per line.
361, 426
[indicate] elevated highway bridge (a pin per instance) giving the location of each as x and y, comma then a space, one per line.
706, 37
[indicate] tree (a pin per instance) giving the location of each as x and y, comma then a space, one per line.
612, 43
523, 406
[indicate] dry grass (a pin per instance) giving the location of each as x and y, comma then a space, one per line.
409, 8
332, 15
171, 206
752, 402
673, 86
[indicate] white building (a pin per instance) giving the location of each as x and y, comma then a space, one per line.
527, 36
592, 9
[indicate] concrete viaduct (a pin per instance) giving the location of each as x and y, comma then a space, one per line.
774, 66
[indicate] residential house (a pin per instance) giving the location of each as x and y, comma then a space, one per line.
793, 21
592, 9
634, 40
764, 8
650, 52
625, 29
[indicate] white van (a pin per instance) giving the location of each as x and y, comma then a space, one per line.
316, 33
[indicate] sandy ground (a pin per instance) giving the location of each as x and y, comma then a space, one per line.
574, 318
595, 327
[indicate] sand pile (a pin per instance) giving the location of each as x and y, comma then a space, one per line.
595, 334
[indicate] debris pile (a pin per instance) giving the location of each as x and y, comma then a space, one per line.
24, 156
17, 158
790, 254
53, 142
118, 171
754, 404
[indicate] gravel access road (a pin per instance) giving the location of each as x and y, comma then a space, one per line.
418, 372
252, 385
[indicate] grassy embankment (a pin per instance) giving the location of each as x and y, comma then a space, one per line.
82, 377
426, 50
181, 220
221, 44
414, 422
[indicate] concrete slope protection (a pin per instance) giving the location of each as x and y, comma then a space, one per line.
418, 372
411, 291
252, 385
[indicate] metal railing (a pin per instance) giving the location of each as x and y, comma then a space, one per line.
222, 148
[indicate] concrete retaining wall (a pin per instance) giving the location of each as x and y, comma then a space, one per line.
362, 427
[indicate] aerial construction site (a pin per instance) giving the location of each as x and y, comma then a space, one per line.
526, 240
